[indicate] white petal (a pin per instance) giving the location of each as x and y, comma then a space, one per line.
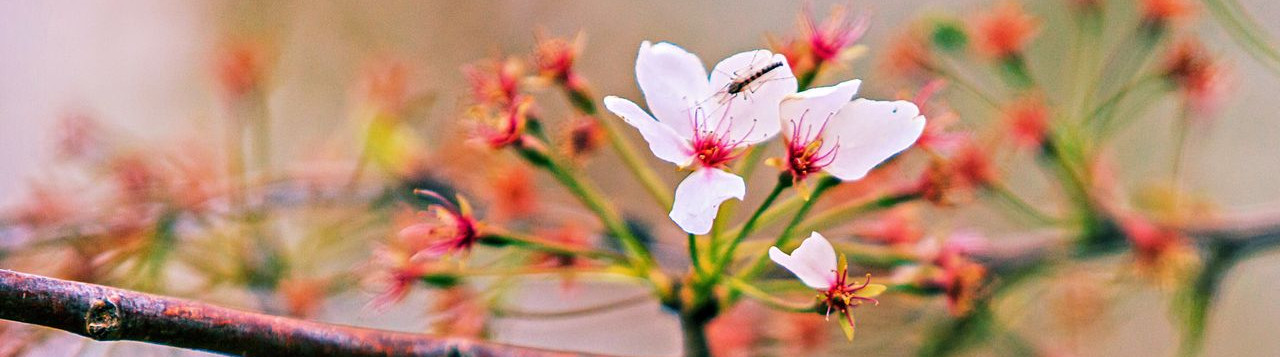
672, 80
870, 132
699, 196
663, 140
751, 114
813, 107
814, 262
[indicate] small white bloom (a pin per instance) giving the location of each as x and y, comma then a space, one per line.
703, 121
814, 262
824, 131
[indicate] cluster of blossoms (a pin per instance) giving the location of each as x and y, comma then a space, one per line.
703, 124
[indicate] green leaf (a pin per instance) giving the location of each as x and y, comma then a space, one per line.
440, 280
847, 327
948, 35
871, 290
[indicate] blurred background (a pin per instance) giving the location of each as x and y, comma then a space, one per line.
144, 72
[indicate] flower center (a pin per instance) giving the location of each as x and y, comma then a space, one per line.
713, 143
842, 295
806, 153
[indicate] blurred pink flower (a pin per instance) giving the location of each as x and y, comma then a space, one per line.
240, 67
1005, 30
1028, 121
1165, 11
1201, 79
822, 43
453, 229
555, 57
495, 82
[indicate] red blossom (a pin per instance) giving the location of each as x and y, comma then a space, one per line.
1005, 30
1165, 11
954, 177
1161, 252
555, 57
949, 266
500, 128
1027, 121
835, 34
961, 281
448, 228
585, 136
495, 82
514, 195
1197, 74
240, 67
820, 44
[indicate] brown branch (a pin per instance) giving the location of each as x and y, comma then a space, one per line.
108, 314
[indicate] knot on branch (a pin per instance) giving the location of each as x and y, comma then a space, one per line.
102, 321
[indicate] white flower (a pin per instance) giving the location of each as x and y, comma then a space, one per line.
703, 122
814, 262
824, 131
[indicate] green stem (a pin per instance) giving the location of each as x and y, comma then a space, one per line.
1199, 297
825, 183
1101, 116
843, 213
1180, 133
1015, 73
590, 197
521, 241
694, 257
771, 301
1245, 31
745, 167
726, 257
623, 147
773, 214
1128, 58
1087, 40
1005, 194
966, 85
694, 329
806, 79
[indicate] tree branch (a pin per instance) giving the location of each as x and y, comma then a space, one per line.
108, 314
